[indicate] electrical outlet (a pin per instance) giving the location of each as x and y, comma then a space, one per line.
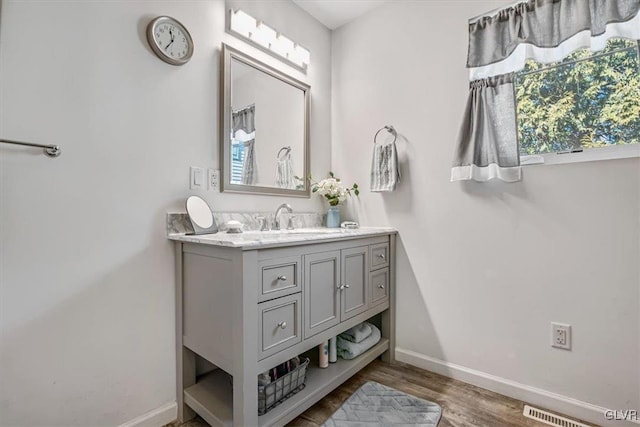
213, 178
561, 335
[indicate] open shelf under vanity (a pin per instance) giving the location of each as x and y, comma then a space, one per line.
212, 396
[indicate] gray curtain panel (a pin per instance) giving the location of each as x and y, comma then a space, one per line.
542, 23
244, 119
249, 163
488, 135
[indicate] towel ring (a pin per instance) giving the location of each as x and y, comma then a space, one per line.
287, 149
389, 129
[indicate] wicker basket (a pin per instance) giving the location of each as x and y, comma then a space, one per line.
273, 394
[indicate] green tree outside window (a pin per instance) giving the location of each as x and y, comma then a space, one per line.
588, 100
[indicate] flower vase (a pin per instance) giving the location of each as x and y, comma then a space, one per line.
333, 217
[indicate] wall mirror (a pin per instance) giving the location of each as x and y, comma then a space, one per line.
265, 128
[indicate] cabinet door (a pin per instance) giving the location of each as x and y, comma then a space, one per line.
354, 281
321, 293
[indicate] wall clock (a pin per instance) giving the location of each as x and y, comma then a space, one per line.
170, 40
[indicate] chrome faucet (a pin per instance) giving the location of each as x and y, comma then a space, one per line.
276, 217
264, 223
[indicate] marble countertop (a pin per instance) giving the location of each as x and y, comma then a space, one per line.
260, 239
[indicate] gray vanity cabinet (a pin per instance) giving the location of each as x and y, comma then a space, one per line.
242, 310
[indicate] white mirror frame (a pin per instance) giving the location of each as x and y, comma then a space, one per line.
228, 54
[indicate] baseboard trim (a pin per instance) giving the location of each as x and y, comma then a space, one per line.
159, 417
532, 395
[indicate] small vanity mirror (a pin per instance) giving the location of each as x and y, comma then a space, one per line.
265, 128
201, 216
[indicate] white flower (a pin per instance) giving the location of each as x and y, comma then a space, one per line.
330, 187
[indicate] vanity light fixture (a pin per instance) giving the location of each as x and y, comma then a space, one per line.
268, 39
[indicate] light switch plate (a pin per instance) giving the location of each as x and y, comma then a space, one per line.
196, 178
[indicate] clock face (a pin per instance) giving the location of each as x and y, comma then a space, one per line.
170, 40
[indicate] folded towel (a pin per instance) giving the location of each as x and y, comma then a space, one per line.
351, 350
358, 333
385, 174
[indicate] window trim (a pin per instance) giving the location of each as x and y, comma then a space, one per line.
588, 155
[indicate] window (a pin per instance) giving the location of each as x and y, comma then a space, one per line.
237, 161
590, 100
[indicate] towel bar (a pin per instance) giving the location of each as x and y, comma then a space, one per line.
49, 150
286, 149
389, 129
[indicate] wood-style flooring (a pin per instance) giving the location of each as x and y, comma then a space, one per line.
463, 405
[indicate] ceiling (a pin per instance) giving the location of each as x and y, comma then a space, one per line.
335, 13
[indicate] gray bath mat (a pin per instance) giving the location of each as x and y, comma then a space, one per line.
374, 404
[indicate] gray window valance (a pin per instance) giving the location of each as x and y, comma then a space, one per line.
244, 119
542, 23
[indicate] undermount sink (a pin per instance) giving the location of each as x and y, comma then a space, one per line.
299, 231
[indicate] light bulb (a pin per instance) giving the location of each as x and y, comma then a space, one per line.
264, 35
282, 45
243, 23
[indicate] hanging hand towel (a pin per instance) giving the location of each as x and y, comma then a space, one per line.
284, 172
385, 174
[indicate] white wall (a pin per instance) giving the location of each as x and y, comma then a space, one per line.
86, 274
484, 268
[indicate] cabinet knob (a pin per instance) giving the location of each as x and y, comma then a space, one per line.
282, 325
346, 286
340, 287
381, 256
381, 286
283, 278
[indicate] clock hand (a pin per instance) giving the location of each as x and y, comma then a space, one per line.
172, 38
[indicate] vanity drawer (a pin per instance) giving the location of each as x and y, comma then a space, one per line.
279, 277
379, 256
280, 324
379, 280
